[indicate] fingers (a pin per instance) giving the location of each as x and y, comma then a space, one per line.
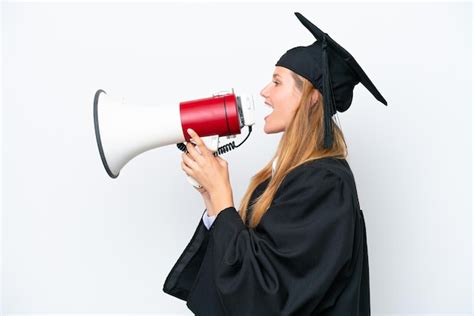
199, 142
189, 172
193, 152
221, 161
189, 163
200, 190
186, 169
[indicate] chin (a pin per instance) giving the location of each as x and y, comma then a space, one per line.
270, 130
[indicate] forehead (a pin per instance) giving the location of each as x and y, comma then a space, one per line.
281, 72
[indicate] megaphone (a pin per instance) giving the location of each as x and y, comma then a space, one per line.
123, 131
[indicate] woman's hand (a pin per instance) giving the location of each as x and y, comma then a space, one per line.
207, 199
210, 172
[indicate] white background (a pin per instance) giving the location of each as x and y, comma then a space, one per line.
75, 240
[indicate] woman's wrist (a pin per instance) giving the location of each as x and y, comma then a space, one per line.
219, 207
220, 201
207, 203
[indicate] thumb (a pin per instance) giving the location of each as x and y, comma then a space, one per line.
221, 161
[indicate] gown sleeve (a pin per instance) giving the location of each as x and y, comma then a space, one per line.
183, 274
295, 262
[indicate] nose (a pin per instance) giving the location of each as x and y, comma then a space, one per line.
263, 92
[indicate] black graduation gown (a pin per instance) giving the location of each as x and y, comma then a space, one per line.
307, 256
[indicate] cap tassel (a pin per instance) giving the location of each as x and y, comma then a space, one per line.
329, 101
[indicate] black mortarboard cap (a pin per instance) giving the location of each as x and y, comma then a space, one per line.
331, 69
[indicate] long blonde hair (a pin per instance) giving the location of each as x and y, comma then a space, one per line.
302, 141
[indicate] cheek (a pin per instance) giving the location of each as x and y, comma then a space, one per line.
282, 116
285, 113
278, 119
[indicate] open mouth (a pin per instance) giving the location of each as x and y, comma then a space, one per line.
271, 107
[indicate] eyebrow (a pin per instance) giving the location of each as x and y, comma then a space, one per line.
276, 75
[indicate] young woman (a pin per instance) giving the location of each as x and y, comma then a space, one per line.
297, 245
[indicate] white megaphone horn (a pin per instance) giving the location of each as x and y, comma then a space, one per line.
123, 131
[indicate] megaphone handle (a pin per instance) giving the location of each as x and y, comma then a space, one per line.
212, 142
193, 182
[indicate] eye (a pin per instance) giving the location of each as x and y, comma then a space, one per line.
276, 82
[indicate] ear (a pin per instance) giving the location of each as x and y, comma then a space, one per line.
315, 95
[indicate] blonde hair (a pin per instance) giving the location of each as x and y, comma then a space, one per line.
302, 141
